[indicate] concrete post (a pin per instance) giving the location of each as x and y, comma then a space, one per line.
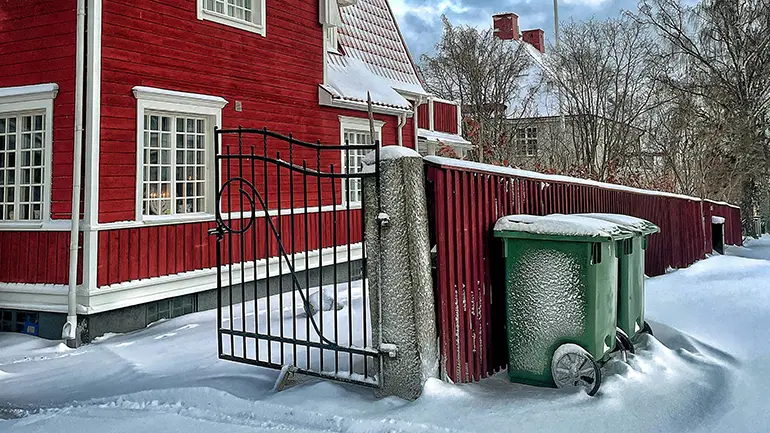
399, 269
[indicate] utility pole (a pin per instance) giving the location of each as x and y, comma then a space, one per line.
562, 126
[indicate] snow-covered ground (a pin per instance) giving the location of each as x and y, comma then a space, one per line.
708, 369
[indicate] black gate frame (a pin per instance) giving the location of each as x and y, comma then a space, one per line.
225, 228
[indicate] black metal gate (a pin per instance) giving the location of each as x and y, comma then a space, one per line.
291, 263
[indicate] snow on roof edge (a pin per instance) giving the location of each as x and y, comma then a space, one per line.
548, 177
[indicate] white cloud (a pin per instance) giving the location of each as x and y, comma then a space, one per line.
401, 7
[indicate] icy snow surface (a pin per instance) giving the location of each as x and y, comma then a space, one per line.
558, 225
706, 370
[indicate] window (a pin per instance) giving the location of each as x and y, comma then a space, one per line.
526, 142
175, 164
174, 153
25, 152
355, 131
246, 15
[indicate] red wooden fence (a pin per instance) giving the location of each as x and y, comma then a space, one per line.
465, 200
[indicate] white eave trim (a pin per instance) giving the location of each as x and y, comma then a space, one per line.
326, 99
36, 92
445, 137
172, 96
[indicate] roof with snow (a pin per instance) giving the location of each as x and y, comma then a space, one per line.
534, 99
374, 57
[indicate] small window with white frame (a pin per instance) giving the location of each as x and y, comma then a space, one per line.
246, 15
174, 152
26, 124
355, 132
526, 142
175, 164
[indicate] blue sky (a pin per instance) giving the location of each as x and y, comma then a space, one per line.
420, 20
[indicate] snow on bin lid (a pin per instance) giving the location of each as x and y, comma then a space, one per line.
624, 220
717, 219
560, 225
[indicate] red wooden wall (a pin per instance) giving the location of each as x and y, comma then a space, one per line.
38, 46
423, 117
164, 45
36, 257
145, 252
445, 117
464, 206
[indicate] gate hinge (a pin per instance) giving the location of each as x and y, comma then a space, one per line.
383, 219
217, 231
389, 349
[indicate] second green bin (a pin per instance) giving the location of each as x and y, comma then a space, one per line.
561, 288
630, 270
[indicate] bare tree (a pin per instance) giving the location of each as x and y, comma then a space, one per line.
485, 74
605, 73
721, 55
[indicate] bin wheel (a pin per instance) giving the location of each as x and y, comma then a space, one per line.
572, 365
624, 340
646, 329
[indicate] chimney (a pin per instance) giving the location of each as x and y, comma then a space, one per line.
506, 26
535, 37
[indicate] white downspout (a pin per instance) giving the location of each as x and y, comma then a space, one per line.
401, 123
69, 329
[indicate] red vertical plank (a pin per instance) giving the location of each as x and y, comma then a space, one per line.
114, 257
44, 253
103, 246
488, 222
62, 259
478, 249
470, 260
161, 245
442, 253
454, 360
133, 254
145, 243
123, 265
180, 247
152, 251
460, 274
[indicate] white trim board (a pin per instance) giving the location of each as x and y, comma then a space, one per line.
121, 295
200, 218
53, 297
50, 298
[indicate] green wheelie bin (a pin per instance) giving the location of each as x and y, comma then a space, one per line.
630, 275
561, 297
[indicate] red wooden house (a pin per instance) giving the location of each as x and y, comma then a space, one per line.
112, 104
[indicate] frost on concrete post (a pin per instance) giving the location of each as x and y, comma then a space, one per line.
400, 284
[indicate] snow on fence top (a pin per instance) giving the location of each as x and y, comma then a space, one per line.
623, 220
507, 171
558, 225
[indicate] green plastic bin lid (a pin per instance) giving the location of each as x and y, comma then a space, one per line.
626, 221
559, 227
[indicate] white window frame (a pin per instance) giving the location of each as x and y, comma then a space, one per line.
525, 142
354, 124
37, 98
256, 25
161, 101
